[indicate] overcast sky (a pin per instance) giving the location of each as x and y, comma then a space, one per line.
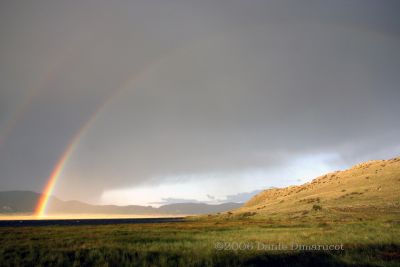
195, 100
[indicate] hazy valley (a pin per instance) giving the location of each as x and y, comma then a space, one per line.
19, 203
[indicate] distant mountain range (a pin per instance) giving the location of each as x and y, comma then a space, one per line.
26, 201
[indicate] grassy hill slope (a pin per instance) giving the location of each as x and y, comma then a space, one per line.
365, 190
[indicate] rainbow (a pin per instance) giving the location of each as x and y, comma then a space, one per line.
27, 101
49, 74
59, 167
41, 206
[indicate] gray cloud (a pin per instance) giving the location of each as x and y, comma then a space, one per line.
236, 198
241, 197
166, 201
222, 86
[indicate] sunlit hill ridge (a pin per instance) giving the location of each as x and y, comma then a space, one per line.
365, 190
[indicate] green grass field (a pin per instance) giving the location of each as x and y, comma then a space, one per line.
208, 241
357, 209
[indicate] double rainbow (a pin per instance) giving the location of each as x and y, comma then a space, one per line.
58, 169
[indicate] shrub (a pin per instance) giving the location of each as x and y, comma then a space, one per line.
316, 207
247, 214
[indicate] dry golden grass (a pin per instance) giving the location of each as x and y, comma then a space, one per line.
371, 188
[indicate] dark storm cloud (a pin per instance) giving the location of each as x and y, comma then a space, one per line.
227, 86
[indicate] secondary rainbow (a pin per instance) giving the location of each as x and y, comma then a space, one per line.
49, 74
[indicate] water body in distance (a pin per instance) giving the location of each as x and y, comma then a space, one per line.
71, 222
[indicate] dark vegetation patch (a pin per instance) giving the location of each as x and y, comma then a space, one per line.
310, 200
316, 207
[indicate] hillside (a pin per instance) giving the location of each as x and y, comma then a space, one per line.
367, 189
14, 202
